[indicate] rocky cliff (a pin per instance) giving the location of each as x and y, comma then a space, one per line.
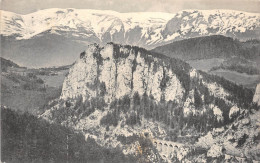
124, 70
117, 94
121, 71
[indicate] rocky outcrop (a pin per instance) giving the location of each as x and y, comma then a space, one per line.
256, 98
115, 71
146, 92
121, 71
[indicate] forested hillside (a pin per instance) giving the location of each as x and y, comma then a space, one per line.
25, 138
237, 61
216, 46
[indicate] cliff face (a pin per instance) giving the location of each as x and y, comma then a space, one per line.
121, 71
114, 71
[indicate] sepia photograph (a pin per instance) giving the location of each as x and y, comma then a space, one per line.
140, 81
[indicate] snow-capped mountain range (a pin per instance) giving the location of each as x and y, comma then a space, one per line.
146, 29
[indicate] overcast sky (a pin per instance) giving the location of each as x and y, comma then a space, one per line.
28, 6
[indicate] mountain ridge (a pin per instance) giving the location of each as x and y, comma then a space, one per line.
162, 22
62, 33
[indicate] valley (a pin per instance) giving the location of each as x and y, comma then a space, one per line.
207, 65
29, 90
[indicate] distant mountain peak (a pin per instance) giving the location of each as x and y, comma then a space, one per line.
150, 28
52, 34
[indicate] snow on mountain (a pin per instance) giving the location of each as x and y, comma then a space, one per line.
192, 23
85, 23
145, 29
54, 36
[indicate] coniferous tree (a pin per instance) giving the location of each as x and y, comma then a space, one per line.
197, 99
